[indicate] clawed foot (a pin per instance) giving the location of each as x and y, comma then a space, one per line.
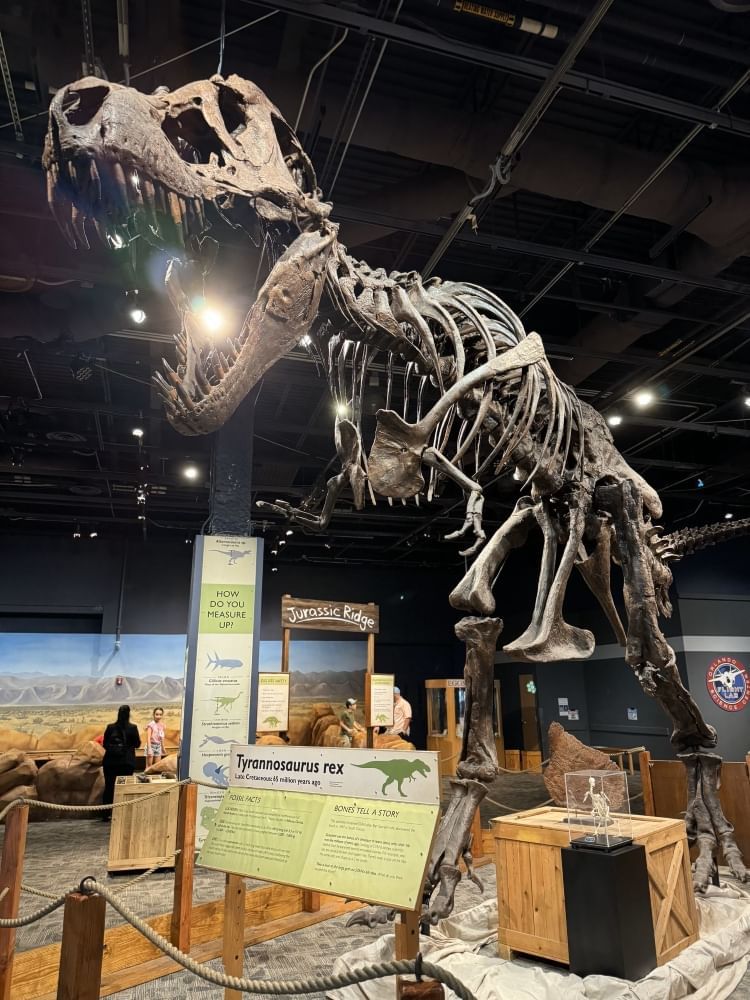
472, 523
295, 514
372, 916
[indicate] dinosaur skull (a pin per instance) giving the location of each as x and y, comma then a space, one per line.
147, 166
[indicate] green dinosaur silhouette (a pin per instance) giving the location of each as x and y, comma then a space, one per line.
208, 815
272, 721
398, 770
381, 718
224, 702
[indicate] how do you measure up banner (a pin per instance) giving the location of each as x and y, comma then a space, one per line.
354, 823
220, 677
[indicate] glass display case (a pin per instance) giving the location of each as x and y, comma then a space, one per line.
598, 809
446, 719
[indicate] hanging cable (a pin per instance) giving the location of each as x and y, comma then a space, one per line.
222, 36
310, 75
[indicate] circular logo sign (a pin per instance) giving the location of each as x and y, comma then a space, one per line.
728, 684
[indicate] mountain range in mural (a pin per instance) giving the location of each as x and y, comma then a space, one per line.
327, 685
65, 689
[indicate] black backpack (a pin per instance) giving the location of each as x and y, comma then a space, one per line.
116, 744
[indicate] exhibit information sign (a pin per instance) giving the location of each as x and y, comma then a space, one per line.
273, 703
222, 651
379, 699
355, 823
339, 616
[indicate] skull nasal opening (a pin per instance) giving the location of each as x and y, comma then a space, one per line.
81, 102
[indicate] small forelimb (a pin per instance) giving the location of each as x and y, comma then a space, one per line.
474, 504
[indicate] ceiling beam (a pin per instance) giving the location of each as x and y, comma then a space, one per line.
521, 66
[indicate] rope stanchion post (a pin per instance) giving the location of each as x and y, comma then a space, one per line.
182, 903
11, 875
82, 948
234, 931
644, 762
406, 940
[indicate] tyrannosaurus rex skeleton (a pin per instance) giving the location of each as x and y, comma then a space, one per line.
148, 167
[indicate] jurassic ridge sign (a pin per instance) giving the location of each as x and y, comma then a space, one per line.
354, 823
339, 616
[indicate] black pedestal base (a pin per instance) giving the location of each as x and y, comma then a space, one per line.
608, 912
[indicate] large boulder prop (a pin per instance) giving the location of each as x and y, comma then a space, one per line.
167, 766
17, 777
569, 754
73, 779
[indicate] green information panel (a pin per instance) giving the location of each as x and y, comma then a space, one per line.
373, 851
226, 608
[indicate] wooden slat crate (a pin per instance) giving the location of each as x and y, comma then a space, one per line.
513, 759
142, 836
531, 898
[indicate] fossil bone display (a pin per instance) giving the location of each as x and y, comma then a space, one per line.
479, 397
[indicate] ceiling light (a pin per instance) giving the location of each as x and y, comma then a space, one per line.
728, 516
326, 545
274, 569
190, 472
210, 317
274, 552
137, 432
93, 534
76, 533
747, 400
614, 420
289, 532
341, 409
141, 517
643, 398
138, 316
281, 542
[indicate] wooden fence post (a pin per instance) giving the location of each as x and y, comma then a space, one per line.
11, 875
82, 949
234, 930
644, 763
182, 903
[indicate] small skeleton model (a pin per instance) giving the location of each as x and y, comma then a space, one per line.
599, 807
479, 398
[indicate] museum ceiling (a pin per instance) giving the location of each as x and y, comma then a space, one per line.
402, 121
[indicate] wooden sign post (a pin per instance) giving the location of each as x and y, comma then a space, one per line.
331, 616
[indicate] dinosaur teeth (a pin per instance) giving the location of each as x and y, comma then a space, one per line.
79, 228
62, 210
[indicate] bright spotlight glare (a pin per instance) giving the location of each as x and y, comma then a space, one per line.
614, 420
138, 316
306, 340
728, 516
211, 318
341, 409
747, 400
190, 472
93, 534
643, 398
137, 432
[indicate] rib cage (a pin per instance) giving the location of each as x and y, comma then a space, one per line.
443, 330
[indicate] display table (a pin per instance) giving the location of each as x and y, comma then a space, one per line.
143, 834
530, 895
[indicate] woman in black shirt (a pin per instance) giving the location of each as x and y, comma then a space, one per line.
121, 740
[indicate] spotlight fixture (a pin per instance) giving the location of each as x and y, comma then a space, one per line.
137, 432
138, 316
281, 542
643, 398
728, 516
77, 533
289, 532
211, 318
274, 569
326, 545
93, 534
274, 552
614, 420
141, 517
190, 472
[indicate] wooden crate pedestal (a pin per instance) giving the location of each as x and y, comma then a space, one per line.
608, 912
531, 895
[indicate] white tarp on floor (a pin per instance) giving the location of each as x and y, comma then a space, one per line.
464, 944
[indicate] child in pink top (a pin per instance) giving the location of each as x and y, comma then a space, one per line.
155, 738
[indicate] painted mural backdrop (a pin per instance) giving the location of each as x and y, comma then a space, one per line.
58, 685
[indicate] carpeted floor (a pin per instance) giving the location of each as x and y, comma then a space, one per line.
59, 854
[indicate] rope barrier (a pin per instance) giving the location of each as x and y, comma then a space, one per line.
317, 984
536, 769
515, 809
8, 922
36, 803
